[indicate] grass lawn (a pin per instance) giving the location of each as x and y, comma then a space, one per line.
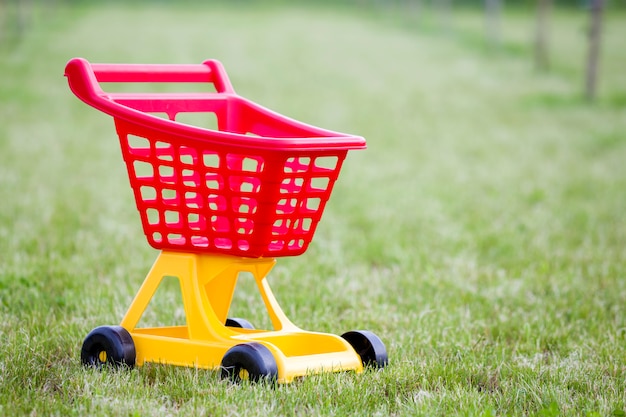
482, 235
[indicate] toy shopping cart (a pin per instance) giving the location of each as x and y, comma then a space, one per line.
216, 202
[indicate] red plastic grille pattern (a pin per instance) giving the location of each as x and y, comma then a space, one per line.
244, 202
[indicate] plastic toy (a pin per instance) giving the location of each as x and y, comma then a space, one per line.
218, 202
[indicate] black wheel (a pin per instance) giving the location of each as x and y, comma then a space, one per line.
249, 361
369, 347
108, 345
238, 322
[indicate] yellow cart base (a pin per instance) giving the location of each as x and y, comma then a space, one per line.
209, 340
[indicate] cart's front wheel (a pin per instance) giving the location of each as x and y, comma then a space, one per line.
108, 345
239, 323
249, 361
369, 347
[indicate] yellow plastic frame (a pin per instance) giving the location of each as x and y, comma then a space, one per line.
207, 286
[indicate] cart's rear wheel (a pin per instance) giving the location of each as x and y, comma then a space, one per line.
238, 322
369, 347
108, 345
249, 361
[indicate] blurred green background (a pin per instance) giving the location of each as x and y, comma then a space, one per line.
481, 234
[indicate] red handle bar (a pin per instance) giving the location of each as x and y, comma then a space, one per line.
210, 71
83, 75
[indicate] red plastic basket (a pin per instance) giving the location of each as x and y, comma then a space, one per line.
255, 186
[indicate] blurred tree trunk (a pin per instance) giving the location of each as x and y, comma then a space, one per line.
445, 15
3, 21
415, 10
22, 17
542, 58
595, 31
493, 10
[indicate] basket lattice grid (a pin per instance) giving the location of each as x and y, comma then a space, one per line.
222, 199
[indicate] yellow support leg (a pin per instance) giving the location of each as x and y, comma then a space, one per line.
207, 285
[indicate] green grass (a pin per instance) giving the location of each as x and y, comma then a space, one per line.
482, 235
